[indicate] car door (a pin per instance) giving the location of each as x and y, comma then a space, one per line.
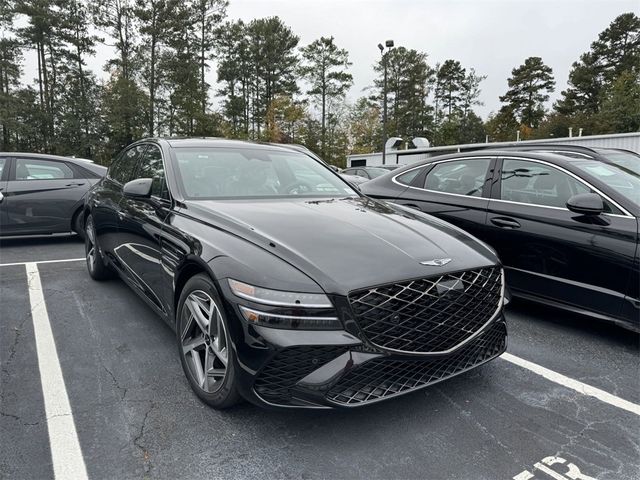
551, 252
455, 190
42, 195
140, 226
105, 202
4, 173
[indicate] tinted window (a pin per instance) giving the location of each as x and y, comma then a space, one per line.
123, 167
623, 180
236, 173
538, 184
626, 160
407, 178
32, 169
376, 172
462, 177
150, 166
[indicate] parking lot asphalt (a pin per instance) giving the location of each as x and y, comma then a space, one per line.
135, 415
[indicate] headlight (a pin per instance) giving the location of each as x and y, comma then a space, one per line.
290, 310
279, 298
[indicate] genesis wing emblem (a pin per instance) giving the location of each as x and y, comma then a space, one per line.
436, 262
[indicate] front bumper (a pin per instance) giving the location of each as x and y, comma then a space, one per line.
333, 369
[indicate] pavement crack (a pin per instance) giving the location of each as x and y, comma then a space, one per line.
138, 440
9, 415
122, 390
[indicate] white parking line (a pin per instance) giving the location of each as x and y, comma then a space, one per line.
68, 462
579, 387
42, 261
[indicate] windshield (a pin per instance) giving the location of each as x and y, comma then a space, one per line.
210, 172
622, 180
627, 160
376, 172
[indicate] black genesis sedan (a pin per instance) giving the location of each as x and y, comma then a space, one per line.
44, 194
259, 257
565, 227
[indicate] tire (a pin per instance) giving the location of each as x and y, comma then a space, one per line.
204, 343
98, 269
77, 224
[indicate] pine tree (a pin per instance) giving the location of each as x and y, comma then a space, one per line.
529, 87
325, 68
409, 80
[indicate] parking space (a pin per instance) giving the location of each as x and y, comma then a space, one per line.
135, 415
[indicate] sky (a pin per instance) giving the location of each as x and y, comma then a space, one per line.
492, 36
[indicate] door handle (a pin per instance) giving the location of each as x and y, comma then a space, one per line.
504, 222
76, 184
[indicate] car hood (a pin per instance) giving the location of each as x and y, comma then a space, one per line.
349, 243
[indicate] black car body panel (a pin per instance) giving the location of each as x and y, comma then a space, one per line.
47, 201
587, 264
316, 245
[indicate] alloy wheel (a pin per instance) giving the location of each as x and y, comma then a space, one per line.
204, 341
91, 245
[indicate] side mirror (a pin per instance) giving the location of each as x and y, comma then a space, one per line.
586, 204
140, 187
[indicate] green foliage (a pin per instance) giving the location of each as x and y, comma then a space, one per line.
325, 66
257, 63
502, 126
365, 130
456, 93
603, 83
529, 87
409, 78
621, 108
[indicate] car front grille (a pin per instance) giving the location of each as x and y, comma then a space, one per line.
428, 315
289, 366
383, 377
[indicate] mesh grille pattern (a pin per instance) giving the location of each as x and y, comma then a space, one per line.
428, 315
381, 377
288, 367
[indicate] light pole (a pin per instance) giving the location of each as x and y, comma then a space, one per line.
389, 45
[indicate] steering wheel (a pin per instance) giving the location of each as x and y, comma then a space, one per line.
297, 187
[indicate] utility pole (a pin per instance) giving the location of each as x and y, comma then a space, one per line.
389, 45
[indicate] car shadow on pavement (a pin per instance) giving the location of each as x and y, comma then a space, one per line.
574, 323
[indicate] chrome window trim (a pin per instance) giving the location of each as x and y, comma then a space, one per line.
571, 174
436, 163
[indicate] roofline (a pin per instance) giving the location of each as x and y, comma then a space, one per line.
44, 155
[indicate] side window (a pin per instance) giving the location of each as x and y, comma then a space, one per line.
35, 169
3, 161
538, 184
407, 178
462, 177
123, 167
150, 166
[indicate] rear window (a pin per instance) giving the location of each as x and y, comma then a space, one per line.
408, 177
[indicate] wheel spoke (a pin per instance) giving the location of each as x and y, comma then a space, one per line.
197, 369
193, 344
219, 345
194, 306
217, 373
